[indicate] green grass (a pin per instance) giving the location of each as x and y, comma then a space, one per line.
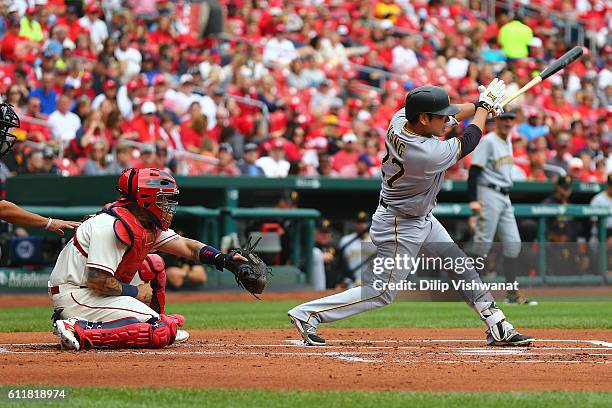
128, 397
583, 314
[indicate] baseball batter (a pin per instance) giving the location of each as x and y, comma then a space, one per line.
412, 175
489, 185
106, 288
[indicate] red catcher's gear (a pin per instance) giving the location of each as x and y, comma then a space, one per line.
152, 190
127, 332
139, 240
153, 269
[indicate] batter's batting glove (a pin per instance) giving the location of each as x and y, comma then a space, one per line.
497, 109
492, 95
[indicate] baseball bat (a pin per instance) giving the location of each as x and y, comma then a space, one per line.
556, 66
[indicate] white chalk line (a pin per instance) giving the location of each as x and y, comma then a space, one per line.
337, 355
300, 344
497, 352
463, 350
354, 356
595, 342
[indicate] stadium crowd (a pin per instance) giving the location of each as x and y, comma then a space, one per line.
289, 87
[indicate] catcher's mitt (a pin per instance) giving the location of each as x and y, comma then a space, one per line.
252, 275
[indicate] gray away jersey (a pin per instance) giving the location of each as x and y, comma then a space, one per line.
494, 155
413, 168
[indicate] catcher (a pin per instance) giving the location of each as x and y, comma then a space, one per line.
108, 291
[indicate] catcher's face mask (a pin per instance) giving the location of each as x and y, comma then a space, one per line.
8, 120
167, 203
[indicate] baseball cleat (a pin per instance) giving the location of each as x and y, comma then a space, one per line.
181, 336
519, 298
308, 332
67, 335
511, 338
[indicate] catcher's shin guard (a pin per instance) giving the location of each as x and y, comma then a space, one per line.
126, 333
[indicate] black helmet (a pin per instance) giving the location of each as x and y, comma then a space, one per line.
8, 120
429, 99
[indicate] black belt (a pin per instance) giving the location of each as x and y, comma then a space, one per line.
503, 190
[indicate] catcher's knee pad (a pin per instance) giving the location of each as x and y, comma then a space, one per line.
128, 332
153, 269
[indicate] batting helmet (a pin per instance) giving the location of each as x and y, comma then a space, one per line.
8, 120
152, 190
429, 99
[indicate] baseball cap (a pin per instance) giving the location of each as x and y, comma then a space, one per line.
159, 79
93, 8
148, 107
342, 29
331, 120
386, 24
276, 144
48, 152
147, 148
148, 56
226, 147
558, 227
349, 138
249, 147
68, 44
324, 225
109, 84
563, 139
429, 99
362, 216
566, 181
48, 53
575, 163
133, 84
508, 113
290, 196
364, 157
185, 78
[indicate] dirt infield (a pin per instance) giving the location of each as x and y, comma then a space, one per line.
365, 359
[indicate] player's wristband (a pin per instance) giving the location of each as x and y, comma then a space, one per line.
208, 254
49, 223
485, 106
129, 290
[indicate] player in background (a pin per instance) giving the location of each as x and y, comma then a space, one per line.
355, 250
403, 224
489, 184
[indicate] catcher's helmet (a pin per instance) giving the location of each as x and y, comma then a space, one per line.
429, 99
152, 190
8, 120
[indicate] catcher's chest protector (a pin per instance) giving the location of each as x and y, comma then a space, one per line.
140, 241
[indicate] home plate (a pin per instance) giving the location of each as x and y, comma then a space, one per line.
487, 351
